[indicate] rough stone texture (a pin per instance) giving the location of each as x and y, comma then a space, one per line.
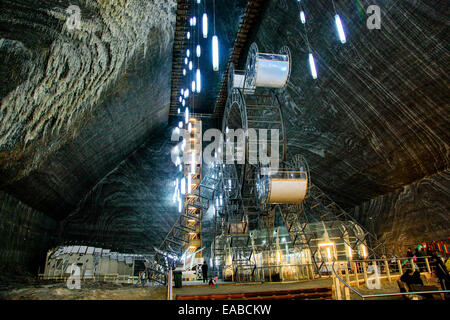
25, 236
413, 214
75, 104
79, 101
376, 118
131, 209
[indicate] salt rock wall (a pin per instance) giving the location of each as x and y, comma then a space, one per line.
75, 102
416, 213
25, 236
376, 118
131, 209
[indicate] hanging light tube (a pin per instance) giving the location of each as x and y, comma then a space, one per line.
188, 35
302, 17
194, 21
340, 28
184, 71
188, 53
199, 51
190, 65
189, 184
205, 25
193, 86
193, 162
215, 45
198, 80
183, 186
186, 113
312, 66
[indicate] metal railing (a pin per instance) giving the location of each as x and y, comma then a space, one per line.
365, 296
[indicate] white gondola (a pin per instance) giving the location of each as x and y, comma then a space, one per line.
283, 187
267, 70
264, 70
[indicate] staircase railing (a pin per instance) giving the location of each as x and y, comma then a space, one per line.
337, 279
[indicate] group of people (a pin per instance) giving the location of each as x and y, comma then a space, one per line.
213, 281
440, 269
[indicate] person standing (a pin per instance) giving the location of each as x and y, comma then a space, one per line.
205, 271
441, 272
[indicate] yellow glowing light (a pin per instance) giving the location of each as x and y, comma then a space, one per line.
326, 244
329, 253
364, 251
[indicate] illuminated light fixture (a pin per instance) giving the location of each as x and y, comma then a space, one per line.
199, 51
340, 28
312, 66
198, 80
190, 22
184, 71
364, 251
193, 86
229, 183
302, 17
226, 130
178, 110
186, 113
185, 60
215, 47
182, 91
188, 53
188, 35
189, 127
217, 202
350, 253
329, 253
198, 1
194, 21
183, 186
181, 99
205, 25
186, 93
179, 206
326, 244
183, 102
221, 200
189, 183
180, 124
190, 65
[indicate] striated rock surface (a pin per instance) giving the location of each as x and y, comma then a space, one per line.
376, 119
79, 101
131, 209
25, 236
413, 214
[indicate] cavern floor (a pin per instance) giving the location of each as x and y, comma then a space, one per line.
89, 291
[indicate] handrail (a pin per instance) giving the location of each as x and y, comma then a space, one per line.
383, 294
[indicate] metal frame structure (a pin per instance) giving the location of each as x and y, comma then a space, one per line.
259, 108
